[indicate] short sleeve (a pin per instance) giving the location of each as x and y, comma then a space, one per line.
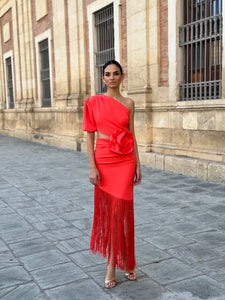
89, 122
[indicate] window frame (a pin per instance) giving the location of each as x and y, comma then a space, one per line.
43, 36
202, 86
91, 10
6, 56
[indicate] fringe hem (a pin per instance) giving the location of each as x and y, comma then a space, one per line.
113, 229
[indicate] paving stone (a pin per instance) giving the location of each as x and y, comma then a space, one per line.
140, 289
51, 225
86, 259
62, 233
43, 259
150, 229
167, 241
20, 235
58, 275
193, 253
74, 245
166, 219
13, 276
202, 287
86, 289
149, 253
168, 271
211, 266
7, 260
43, 215
84, 224
190, 227
6, 210
46, 204
3, 247
14, 225
212, 238
76, 215
23, 292
27, 247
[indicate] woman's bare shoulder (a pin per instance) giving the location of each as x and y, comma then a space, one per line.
129, 102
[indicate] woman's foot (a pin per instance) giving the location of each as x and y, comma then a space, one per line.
110, 283
110, 279
131, 275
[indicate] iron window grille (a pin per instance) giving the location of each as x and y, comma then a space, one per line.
104, 24
45, 73
201, 43
10, 82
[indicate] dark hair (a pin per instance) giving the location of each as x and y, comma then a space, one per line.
112, 62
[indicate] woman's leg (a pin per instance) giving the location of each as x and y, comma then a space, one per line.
110, 279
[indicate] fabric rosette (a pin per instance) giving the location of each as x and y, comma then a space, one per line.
122, 141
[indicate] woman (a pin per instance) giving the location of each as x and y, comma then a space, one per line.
114, 170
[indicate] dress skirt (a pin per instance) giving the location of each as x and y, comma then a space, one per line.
113, 223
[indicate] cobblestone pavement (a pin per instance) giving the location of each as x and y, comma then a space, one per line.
46, 208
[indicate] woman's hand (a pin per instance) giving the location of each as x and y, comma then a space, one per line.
94, 176
138, 175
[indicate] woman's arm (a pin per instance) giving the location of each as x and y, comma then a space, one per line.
94, 174
138, 175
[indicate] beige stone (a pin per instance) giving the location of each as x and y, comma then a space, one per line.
148, 159
181, 165
160, 161
190, 120
206, 120
216, 172
202, 169
41, 8
6, 32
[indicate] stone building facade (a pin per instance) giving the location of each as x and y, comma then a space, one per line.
51, 53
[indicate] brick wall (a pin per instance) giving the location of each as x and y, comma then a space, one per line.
163, 17
7, 18
41, 26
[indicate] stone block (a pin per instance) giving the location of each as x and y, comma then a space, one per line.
181, 165
41, 9
13, 276
58, 275
25, 291
160, 161
202, 287
6, 32
148, 159
216, 172
169, 271
87, 289
206, 120
190, 120
43, 259
202, 169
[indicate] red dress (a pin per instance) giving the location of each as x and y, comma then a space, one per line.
115, 161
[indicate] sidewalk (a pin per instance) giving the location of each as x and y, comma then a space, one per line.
46, 208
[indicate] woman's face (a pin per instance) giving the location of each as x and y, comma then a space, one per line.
112, 76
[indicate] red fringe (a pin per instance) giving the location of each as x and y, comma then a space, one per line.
113, 223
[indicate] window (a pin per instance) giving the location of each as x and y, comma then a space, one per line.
200, 40
9, 82
45, 74
104, 25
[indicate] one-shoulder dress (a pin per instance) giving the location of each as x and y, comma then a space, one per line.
113, 220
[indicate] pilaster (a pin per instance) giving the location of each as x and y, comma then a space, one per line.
60, 36
76, 53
